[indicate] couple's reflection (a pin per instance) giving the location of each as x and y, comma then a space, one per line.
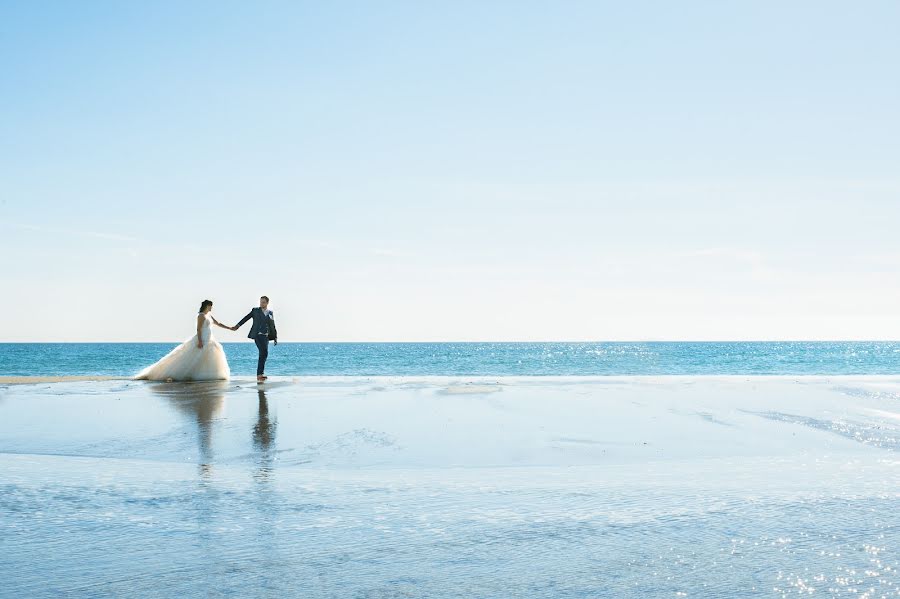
218, 499
264, 438
204, 403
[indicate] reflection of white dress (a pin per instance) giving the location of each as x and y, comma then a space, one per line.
187, 362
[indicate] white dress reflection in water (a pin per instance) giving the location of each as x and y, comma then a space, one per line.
188, 362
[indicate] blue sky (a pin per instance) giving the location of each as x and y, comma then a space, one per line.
472, 171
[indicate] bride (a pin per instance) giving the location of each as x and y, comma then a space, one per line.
200, 358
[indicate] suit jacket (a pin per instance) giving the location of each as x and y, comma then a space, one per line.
262, 325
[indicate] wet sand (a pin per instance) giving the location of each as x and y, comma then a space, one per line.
449, 487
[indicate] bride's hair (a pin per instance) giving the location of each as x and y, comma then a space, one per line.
204, 304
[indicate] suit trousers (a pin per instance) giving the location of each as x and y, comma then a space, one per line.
262, 344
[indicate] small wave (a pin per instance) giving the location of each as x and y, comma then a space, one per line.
31, 380
470, 389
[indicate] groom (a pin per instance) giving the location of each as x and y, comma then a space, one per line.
261, 331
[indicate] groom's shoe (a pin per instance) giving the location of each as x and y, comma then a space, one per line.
261, 378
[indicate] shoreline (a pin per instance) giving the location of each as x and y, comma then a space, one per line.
440, 379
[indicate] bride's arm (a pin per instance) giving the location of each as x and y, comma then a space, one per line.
219, 324
199, 328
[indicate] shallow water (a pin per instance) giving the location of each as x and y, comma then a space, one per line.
709, 487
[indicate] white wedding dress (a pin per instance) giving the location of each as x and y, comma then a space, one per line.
187, 362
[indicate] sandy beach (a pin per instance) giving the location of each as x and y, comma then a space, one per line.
449, 487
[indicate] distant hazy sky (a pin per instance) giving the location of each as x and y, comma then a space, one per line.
451, 171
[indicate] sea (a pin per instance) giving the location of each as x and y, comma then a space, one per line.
444, 483
477, 359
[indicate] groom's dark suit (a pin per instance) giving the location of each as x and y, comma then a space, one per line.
261, 331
